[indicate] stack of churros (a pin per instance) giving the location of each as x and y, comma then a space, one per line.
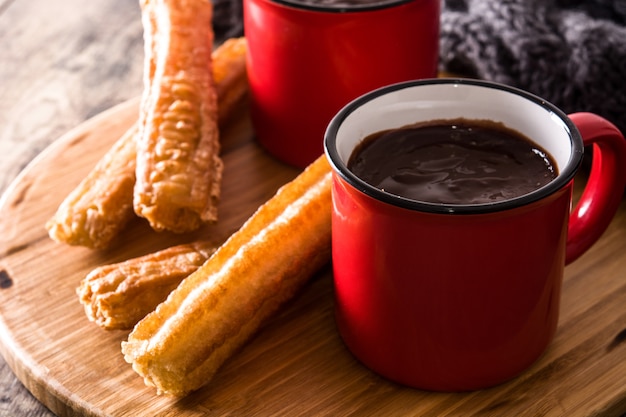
194, 305
100, 207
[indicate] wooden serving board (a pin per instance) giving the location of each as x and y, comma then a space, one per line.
297, 364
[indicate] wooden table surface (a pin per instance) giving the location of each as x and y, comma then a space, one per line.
65, 61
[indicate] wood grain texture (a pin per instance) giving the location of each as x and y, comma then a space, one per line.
63, 62
297, 364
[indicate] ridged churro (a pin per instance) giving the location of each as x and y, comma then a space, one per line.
212, 313
178, 173
117, 296
99, 208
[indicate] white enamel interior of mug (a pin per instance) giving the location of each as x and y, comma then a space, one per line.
419, 101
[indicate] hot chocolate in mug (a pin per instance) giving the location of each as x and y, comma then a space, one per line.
308, 58
462, 296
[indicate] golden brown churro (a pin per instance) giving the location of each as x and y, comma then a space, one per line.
212, 313
102, 203
100, 206
229, 74
117, 296
178, 173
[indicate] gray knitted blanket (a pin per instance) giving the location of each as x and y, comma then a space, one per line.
570, 52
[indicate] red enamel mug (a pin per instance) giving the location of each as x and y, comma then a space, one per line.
462, 297
308, 58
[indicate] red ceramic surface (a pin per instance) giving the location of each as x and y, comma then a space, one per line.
602, 195
447, 302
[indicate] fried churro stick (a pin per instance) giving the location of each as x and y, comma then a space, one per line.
100, 206
231, 79
102, 203
117, 296
178, 173
212, 313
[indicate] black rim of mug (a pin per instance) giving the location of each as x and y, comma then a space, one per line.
374, 5
564, 177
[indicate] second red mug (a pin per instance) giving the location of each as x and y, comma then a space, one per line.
307, 59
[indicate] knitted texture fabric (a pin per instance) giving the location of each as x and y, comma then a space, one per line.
569, 52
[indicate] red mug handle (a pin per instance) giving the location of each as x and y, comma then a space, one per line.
605, 187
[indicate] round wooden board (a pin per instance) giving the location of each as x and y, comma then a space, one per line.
297, 364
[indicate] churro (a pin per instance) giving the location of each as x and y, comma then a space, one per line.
101, 205
212, 313
117, 296
99, 208
178, 172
